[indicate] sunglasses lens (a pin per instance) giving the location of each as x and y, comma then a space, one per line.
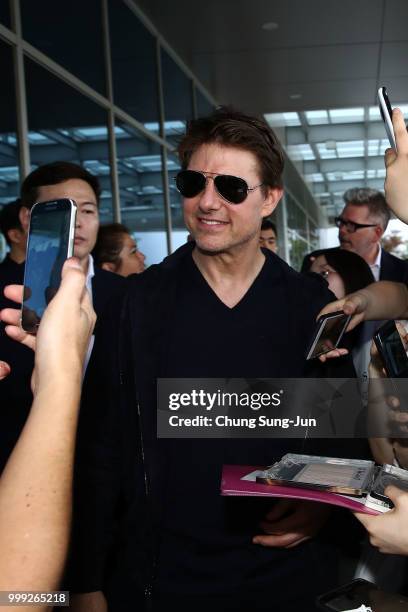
231, 188
190, 183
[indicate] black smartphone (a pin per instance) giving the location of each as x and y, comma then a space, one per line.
329, 332
386, 114
391, 350
359, 593
50, 243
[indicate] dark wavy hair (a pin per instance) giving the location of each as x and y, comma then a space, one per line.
353, 269
231, 128
54, 174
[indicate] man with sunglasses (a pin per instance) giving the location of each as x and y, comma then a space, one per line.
361, 224
220, 307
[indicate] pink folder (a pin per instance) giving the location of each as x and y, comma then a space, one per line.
233, 485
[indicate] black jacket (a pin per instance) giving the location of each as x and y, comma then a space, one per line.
392, 268
15, 390
121, 471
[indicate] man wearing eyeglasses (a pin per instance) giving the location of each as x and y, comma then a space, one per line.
361, 224
201, 313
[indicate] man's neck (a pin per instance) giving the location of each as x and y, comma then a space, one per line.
85, 264
17, 255
230, 274
371, 255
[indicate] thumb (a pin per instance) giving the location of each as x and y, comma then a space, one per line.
395, 494
72, 277
389, 157
353, 304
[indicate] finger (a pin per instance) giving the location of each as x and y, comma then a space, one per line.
298, 542
72, 278
280, 541
14, 293
16, 333
11, 316
389, 157
4, 369
400, 130
339, 352
395, 494
398, 416
393, 402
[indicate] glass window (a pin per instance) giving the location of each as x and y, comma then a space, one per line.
204, 106
5, 13
65, 125
9, 170
178, 99
313, 236
141, 191
297, 232
134, 68
179, 230
69, 33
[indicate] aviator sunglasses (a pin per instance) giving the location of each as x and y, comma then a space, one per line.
231, 188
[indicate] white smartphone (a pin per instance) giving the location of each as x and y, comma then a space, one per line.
50, 243
329, 332
386, 114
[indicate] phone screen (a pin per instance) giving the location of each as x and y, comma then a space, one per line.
50, 242
360, 592
392, 350
329, 333
396, 355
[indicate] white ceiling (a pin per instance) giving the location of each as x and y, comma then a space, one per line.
324, 54
333, 53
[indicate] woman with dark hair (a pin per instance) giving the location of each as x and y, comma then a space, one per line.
116, 250
344, 271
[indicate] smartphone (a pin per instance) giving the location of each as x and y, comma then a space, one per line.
386, 114
50, 243
391, 350
359, 593
329, 332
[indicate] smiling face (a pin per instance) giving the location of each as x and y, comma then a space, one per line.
87, 219
217, 225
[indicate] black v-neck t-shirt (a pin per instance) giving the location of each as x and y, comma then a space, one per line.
206, 538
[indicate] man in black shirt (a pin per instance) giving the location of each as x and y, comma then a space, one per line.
49, 182
218, 307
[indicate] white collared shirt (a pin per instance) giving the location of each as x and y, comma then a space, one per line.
376, 266
89, 277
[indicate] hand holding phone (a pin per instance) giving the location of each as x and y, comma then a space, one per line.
50, 243
329, 332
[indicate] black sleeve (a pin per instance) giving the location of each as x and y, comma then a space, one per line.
97, 479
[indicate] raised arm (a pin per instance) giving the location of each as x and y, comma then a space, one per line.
35, 488
381, 300
396, 181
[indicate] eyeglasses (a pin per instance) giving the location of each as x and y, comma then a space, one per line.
231, 188
351, 226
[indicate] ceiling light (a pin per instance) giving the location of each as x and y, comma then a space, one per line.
269, 26
295, 96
